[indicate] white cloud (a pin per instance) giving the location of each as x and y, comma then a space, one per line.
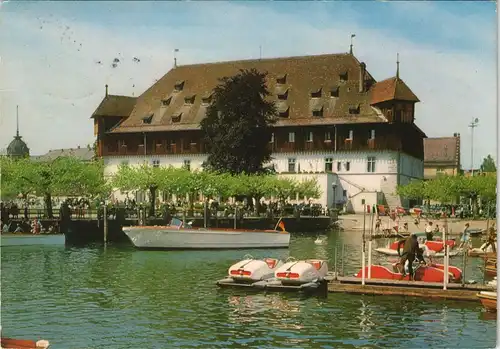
58, 87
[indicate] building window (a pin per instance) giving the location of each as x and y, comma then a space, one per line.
354, 109
343, 76
291, 165
328, 165
309, 136
334, 92
328, 136
156, 163
179, 85
316, 94
189, 99
372, 134
147, 119
291, 137
351, 135
339, 166
272, 138
187, 165
318, 112
370, 164
281, 79
348, 166
344, 193
166, 102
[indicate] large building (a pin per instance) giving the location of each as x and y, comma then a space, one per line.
442, 156
336, 124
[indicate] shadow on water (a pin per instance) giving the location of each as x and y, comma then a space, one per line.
117, 297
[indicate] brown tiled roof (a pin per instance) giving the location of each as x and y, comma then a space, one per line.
304, 75
392, 89
442, 150
113, 105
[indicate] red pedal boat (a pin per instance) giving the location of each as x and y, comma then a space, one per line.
11, 343
426, 273
488, 300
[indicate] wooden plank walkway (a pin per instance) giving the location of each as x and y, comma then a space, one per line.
467, 292
421, 284
451, 294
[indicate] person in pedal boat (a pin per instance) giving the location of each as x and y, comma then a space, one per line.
492, 239
411, 251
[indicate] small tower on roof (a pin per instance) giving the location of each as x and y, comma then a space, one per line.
17, 147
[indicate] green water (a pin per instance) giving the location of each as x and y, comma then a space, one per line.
119, 297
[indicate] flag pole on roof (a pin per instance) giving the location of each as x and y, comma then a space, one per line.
352, 37
175, 57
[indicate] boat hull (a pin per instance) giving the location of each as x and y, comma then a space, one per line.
488, 300
31, 239
391, 252
423, 273
172, 238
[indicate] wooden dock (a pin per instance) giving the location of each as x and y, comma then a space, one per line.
454, 291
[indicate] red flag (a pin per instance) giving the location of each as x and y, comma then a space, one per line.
282, 225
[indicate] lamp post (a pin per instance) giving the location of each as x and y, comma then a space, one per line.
334, 203
474, 123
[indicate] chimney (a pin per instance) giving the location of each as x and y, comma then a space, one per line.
362, 74
106, 90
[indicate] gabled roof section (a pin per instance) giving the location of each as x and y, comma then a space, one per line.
113, 105
392, 89
304, 74
442, 150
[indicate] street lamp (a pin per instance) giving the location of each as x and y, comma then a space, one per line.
472, 125
334, 187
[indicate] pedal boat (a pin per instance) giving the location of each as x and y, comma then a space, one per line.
426, 273
250, 270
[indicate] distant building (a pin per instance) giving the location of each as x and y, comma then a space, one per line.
442, 156
84, 154
336, 123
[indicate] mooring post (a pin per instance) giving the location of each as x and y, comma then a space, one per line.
235, 215
336, 251
184, 217
369, 259
205, 213
342, 265
363, 257
105, 222
446, 263
464, 263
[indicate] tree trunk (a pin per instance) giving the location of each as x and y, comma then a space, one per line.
257, 206
152, 200
48, 205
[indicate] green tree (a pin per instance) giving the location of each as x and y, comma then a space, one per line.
309, 188
236, 129
488, 164
63, 176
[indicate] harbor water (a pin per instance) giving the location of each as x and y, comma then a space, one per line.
119, 297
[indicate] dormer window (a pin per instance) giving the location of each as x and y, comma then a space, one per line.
189, 99
284, 113
179, 85
316, 94
334, 92
354, 109
318, 112
283, 95
343, 76
281, 79
206, 100
176, 117
147, 119
166, 102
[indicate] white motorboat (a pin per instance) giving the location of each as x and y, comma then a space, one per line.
428, 252
177, 236
31, 239
302, 272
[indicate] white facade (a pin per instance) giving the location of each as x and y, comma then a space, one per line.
372, 176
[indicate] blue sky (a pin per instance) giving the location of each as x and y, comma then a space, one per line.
50, 50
